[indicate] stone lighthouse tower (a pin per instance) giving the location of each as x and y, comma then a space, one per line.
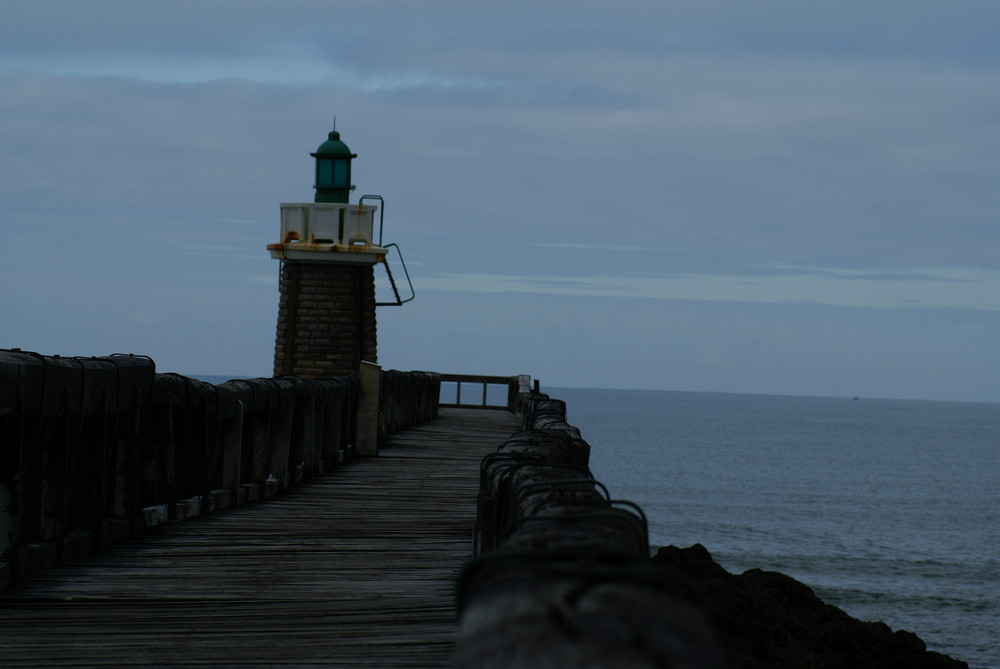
326, 312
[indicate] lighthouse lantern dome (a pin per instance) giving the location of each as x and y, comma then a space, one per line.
333, 170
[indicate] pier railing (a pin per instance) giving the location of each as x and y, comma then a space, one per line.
96, 450
482, 391
562, 572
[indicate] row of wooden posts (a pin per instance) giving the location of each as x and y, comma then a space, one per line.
562, 576
96, 450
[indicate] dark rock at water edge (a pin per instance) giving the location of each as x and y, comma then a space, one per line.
765, 619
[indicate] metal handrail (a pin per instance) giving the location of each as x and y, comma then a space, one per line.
392, 282
511, 382
385, 261
381, 212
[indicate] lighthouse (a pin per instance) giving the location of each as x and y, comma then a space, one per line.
328, 252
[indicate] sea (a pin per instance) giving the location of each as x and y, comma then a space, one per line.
888, 509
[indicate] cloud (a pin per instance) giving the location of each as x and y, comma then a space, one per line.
709, 357
924, 288
598, 247
141, 319
749, 157
280, 68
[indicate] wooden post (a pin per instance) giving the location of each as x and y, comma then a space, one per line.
309, 435
367, 439
232, 453
331, 429
280, 431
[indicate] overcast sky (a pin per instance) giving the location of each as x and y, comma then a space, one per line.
778, 196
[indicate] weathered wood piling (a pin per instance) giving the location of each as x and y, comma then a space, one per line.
354, 568
562, 575
97, 450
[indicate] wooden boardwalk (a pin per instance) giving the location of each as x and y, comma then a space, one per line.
356, 568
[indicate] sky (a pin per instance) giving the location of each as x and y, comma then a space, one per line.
782, 196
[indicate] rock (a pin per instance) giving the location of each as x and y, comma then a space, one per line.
767, 619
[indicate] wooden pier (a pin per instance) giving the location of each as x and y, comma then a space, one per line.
356, 568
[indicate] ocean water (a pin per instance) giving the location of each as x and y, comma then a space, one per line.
888, 509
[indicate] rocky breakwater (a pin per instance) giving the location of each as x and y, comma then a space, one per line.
767, 619
562, 578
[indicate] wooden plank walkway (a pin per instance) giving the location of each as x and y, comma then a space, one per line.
356, 568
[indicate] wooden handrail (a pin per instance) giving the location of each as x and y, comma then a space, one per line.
514, 385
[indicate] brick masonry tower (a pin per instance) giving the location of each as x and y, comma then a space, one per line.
326, 312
